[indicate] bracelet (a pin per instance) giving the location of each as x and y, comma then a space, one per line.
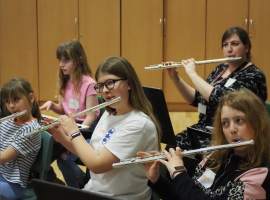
73, 135
177, 169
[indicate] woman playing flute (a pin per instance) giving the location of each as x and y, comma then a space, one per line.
224, 78
239, 173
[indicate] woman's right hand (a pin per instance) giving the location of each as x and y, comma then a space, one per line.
152, 168
46, 106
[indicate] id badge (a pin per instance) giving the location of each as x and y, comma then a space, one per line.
73, 104
202, 108
207, 178
229, 82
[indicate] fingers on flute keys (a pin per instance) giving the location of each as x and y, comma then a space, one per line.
167, 63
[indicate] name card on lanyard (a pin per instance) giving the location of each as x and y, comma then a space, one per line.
207, 178
202, 108
73, 104
230, 78
229, 82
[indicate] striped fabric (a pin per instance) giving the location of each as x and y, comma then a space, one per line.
13, 134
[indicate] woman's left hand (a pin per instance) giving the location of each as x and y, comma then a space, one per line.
174, 159
68, 124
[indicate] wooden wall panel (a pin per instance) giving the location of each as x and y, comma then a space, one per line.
19, 55
57, 23
142, 38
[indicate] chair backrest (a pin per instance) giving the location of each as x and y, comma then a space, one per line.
100, 101
157, 99
267, 105
43, 160
41, 164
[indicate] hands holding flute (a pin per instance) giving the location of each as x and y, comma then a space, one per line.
67, 126
56, 131
189, 65
174, 158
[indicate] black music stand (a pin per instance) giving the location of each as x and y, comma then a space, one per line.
157, 99
192, 161
193, 136
52, 191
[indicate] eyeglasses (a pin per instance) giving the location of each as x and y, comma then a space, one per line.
109, 84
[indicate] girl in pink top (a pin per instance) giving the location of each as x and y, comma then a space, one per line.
76, 93
75, 86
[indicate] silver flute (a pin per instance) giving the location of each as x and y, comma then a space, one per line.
153, 157
180, 64
13, 115
92, 109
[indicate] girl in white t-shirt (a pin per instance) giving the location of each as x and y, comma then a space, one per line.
76, 93
17, 150
125, 128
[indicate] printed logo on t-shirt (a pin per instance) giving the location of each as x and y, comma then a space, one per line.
108, 136
101, 130
73, 104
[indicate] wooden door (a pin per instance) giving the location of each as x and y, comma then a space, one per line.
222, 15
99, 30
19, 56
184, 38
57, 23
259, 29
141, 38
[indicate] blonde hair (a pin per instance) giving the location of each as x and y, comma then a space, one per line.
120, 67
72, 50
257, 118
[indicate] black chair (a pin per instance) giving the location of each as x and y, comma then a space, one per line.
157, 99
41, 164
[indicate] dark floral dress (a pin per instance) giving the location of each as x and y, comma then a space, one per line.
251, 78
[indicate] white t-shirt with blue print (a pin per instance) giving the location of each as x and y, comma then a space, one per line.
124, 136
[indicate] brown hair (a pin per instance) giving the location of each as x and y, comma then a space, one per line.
258, 119
72, 50
19, 87
120, 67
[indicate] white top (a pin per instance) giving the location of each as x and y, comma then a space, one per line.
123, 136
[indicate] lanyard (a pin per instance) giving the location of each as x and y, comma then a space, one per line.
215, 82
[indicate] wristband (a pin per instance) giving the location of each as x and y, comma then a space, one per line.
177, 169
73, 135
